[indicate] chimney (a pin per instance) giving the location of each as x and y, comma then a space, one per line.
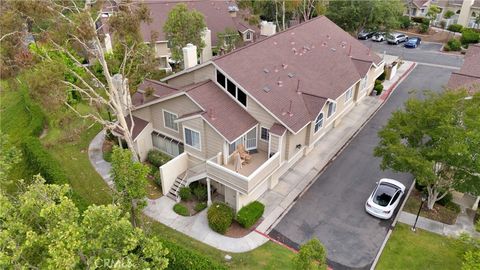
207, 50
122, 87
232, 10
267, 28
189, 56
108, 43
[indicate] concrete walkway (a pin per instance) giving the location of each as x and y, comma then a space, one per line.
278, 200
463, 224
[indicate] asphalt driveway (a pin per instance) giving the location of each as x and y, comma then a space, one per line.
332, 209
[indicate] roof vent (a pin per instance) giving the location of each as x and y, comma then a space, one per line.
306, 48
275, 43
284, 66
313, 46
266, 70
280, 83
266, 89
276, 70
293, 33
333, 49
291, 75
324, 44
292, 42
329, 37
294, 50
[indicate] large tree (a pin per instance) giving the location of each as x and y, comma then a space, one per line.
437, 140
130, 178
311, 256
354, 16
43, 229
182, 27
70, 39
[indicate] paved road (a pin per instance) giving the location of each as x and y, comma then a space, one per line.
426, 53
332, 209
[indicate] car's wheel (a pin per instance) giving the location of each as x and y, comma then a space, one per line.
396, 42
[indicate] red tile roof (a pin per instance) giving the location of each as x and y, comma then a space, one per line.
160, 90
221, 111
138, 127
469, 75
278, 129
318, 54
217, 17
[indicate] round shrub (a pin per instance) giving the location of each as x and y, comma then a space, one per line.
455, 28
157, 158
405, 22
378, 88
181, 209
250, 213
185, 193
448, 14
200, 206
220, 217
453, 45
469, 36
200, 191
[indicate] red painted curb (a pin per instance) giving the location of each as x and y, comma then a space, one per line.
385, 94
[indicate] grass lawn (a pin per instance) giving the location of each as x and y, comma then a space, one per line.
439, 212
268, 256
421, 250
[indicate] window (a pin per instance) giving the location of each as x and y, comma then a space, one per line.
349, 94
319, 122
192, 138
221, 79
231, 88
248, 36
264, 134
169, 120
233, 146
332, 106
242, 97
363, 83
166, 144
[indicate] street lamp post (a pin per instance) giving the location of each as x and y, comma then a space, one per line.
414, 228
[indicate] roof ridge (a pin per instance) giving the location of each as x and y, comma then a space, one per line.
161, 83
310, 94
196, 85
267, 38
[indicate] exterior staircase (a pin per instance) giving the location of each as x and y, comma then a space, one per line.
191, 175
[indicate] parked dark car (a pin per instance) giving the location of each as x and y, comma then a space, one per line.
413, 42
365, 34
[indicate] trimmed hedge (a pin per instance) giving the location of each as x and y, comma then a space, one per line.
250, 213
200, 206
182, 258
200, 191
157, 158
469, 36
220, 217
181, 210
41, 162
378, 88
455, 28
185, 193
453, 45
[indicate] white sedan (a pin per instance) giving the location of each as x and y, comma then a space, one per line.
385, 198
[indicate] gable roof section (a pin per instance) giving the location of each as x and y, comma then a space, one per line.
220, 111
469, 74
159, 91
312, 57
138, 126
217, 17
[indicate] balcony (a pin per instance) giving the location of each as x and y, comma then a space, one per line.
251, 174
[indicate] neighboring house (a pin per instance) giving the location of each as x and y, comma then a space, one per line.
277, 97
219, 15
465, 11
468, 76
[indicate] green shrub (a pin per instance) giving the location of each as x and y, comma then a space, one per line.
469, 36
200, 206
157, 158
250, 213
477, 226
424, 26
312, 255
183, 258
185, 193
181, 209
378, 88
453, 206
378, 82
455, 28
200, 191
157, 178
405, 22
107, 156
453, 45
220, 217
443, 24
448, 14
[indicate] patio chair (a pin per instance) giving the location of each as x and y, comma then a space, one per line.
244, 155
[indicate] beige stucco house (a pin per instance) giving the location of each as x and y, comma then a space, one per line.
277, 97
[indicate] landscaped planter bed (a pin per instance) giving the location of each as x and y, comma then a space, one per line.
439, 213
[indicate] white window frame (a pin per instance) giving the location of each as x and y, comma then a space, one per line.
248, 35
268, 134
165, 122
334, 109
237, 88
316, 121
199, 138
349, 94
